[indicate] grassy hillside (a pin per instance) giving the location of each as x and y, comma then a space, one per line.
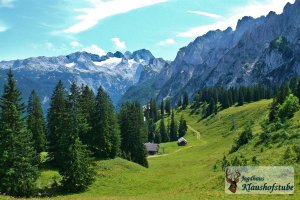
188, 172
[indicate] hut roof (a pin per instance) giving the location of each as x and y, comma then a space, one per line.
152, 146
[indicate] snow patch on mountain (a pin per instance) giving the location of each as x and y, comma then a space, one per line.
70, 65
115, 72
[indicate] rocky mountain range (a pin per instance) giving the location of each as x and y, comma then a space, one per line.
116, 72
264, 50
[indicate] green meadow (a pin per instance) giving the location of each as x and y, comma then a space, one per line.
192, 171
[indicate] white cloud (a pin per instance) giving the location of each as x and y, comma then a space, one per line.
6, 3
206, 14
167, 42
75, 44
3, 27
100, 10
119, 45
253, 8
94, 49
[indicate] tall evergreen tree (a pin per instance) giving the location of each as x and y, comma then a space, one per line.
78, 121
153, 110
185, 100
77, 167
106, 137
211, 107
297, 92
273, 114
168, 128
179, 103
157, 138
133, 133
235, 94
182, 127
58, 124
18, 159
173, 128
230, 98
283, 93
36, 123
151, 130
163, 132
87, 106
197, 99
168, 106
241, 98
293, 84
226, 103
162, 108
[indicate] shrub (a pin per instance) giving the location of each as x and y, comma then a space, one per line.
297, 151
287, 154
288, 108
244, 138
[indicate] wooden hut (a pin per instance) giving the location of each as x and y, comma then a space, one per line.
181, 141
152, 148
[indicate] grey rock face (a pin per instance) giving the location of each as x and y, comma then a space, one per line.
241, 57
115, 72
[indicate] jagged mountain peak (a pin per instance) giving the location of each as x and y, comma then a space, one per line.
240, 57
83, 56
244, 22
118, 54
115, 72
142, 54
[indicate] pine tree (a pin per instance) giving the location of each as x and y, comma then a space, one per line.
288, 108
163, 132
151, 130
297, 92
196, 99
133, 133
18, 159
273, 114
241, 98
230, 98
293, 84
211, 107
168, 106
153, 110
76, 168
235, 95
36, 123
106, 137
226, 103
179, 103
58, 124
87, 105
243, 139
185, 100
173, 129
78, 121
162, 108
182, 127
157, 138
283, 93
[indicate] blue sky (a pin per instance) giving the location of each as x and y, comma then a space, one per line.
30, 28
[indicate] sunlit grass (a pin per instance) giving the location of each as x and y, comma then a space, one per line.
186, 172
